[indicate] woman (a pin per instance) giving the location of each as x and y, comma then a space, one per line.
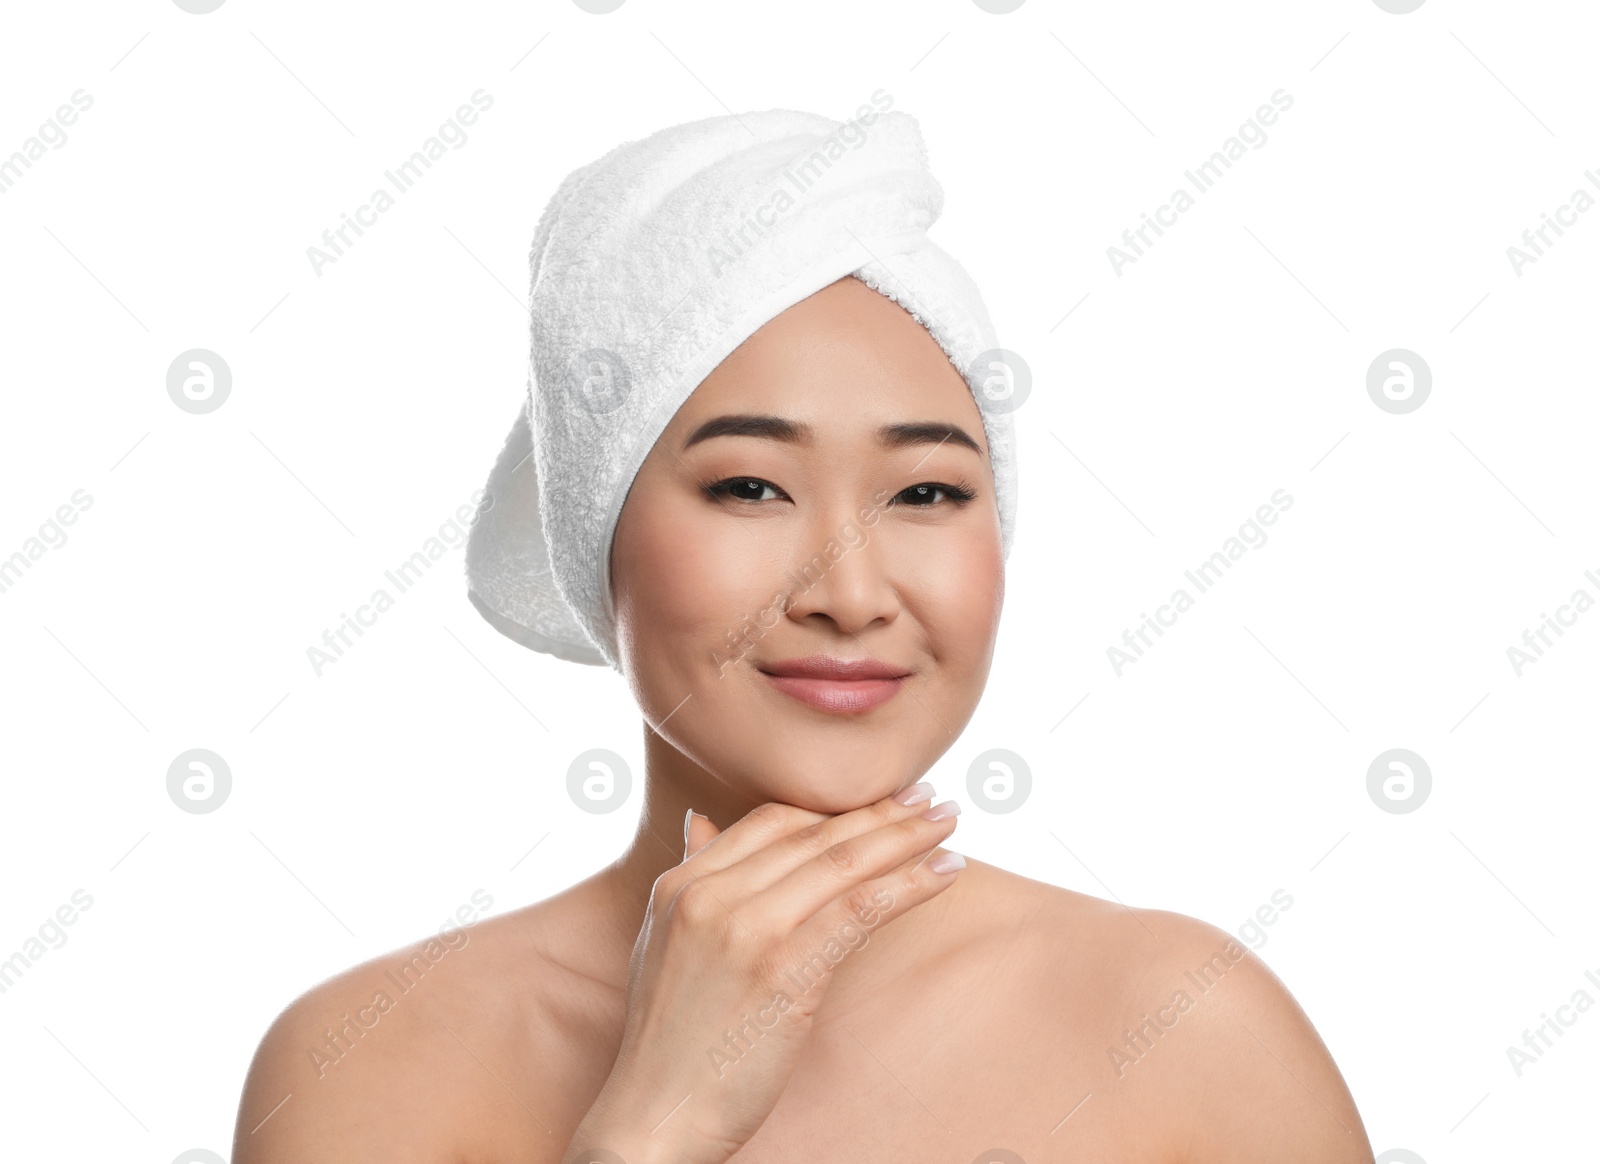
782, 513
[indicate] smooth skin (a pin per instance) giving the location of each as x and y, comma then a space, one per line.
945, 1014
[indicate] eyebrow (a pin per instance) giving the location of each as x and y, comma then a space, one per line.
906, 434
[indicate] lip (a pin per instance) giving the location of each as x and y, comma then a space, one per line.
828, 667
836, 685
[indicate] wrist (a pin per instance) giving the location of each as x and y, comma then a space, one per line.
613, 1144
609, 1136
604, 1148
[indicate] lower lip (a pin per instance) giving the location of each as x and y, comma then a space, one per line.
837, 695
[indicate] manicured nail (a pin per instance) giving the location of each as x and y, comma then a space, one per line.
947, 863
916, 794
941, 810
687, 817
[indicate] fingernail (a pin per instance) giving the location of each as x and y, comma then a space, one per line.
687, 817
916, 794
941, 810
947, 863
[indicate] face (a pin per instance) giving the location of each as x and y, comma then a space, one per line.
825, 491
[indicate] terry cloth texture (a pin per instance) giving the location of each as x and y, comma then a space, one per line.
649, 266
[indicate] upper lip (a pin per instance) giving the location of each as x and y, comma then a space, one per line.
828, 667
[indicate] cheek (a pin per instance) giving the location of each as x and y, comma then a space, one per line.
699, 583
962, 602
692, 595
686, 584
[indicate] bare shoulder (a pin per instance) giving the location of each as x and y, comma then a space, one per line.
1182, 1026
432, 1053
1256, 1080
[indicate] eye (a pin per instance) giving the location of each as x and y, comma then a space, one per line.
743, 489
926, 495
923, 496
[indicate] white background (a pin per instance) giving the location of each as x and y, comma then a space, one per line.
1168, 403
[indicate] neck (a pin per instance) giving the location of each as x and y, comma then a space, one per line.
673, 785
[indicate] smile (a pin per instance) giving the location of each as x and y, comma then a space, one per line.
836, 685
837, 694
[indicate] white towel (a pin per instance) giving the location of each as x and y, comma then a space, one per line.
649, 266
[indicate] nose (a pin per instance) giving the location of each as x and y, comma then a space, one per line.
841, 575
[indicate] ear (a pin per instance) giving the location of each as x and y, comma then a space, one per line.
698, 832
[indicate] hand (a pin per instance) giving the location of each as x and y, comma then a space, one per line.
733, 960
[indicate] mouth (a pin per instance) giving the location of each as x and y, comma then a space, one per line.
841, 686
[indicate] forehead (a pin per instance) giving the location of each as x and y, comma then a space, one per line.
842, 353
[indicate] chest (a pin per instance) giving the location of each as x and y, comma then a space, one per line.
985, 1085
1011, 1068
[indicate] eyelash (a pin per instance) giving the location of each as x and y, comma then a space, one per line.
959, 492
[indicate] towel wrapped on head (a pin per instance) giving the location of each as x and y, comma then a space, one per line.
649, 266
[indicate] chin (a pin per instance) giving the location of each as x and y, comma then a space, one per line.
835, 780
830, 801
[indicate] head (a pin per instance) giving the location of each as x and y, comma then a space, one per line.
807, 534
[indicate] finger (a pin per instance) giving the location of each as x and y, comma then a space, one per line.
782, 856
760, 826
698, 832
797, 897
846, 923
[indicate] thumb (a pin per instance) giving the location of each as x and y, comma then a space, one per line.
698, 831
